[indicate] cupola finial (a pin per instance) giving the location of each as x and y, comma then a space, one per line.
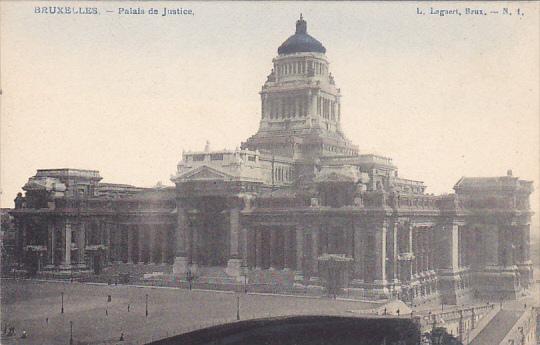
301, 25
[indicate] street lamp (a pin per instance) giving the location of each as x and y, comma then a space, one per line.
237, 307
70, 332
189, 276
146, 310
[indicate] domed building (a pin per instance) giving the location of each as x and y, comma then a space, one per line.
296, 208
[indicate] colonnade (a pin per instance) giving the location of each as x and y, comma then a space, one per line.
142, 243
274, 248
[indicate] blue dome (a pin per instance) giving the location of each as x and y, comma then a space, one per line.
301, 42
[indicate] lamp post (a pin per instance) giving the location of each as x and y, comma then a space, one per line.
146, 310
62, 310
237, 307
189, 276
70, 332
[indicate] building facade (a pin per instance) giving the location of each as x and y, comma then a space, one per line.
296, 205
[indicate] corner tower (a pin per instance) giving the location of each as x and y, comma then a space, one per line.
300, 104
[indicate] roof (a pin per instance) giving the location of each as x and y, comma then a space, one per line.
497, 328
492, 183
301, 42
68, 172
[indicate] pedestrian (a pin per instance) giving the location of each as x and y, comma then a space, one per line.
397, 311
128, 308
23, 335
47, 320
122, 336
107, 312
384, 311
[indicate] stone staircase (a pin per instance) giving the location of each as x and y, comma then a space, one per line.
215, 275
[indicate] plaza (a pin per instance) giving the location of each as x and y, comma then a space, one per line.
27, 304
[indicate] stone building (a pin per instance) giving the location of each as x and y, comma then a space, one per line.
295, 206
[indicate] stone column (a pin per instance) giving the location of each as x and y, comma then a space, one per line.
509, 247
107, 242
164, 244
258, 249
415, 251
252, 247
67, 244
234, 263
286, 249
181, 247
524, 262
82, 243
421, 244
244, 245
431, 244
130, 244
449, 245
314, 252
119, 242
273, 249
349, 240
234, 228
525, 230
23, 241
140, 242
52, 231
151, 243
392, 251
358, 254
299, 253
448, 262
193, 239
380, 254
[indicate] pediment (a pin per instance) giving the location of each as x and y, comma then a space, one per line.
205, 173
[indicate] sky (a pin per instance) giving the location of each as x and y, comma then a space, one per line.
444, 96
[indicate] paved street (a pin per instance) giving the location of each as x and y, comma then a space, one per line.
26, 305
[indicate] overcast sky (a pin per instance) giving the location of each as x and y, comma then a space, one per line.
445, 97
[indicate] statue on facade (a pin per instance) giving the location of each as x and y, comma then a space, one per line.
20, 201
358, 194
271, 77
331, 79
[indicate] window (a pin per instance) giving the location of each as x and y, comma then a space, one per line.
251, 158
198, 158
216, 157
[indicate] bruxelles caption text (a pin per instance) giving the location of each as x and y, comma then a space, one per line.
122, 11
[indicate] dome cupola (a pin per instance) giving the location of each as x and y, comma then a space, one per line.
301, 42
